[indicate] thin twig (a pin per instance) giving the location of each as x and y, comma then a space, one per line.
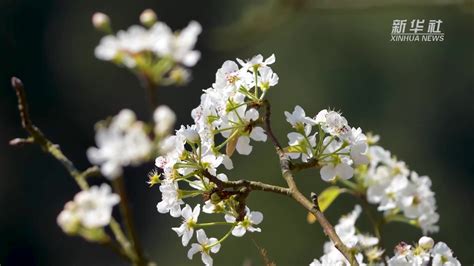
36, 136
119, 186
151, 92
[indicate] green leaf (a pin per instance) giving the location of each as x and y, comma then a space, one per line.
325, 199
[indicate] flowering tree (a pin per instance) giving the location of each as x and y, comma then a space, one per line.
195, 161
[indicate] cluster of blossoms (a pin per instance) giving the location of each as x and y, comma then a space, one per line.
424, 253
89, 212
123, 140
368, 253
343, 152
334, 145
228, 112
154, 50
361, 244
401, 194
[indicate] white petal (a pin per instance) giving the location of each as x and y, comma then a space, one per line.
188, 234
229, 218
270, 60
196, 212
186, 212
227, 162
195, 248
251, 115
258, 134
206, 258
191, 58
256, 217
111, 170
239, 231
344, 171
179, 230
328, 172
216, 247
243, 147
201, 237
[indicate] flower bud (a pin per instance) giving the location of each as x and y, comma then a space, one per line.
148, 17
426, 242
101, 22
68, 220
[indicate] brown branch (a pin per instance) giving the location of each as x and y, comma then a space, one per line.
296, 167
36, 136
259, 186
119, 186
287, 174
151, 91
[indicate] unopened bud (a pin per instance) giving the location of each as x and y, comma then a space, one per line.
426, 242
148, 17
101, 22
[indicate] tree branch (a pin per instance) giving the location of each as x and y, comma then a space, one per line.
36, 136
296, 167
287, 174
254, 185
119, 186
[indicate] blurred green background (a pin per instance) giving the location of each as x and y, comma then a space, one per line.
417, 96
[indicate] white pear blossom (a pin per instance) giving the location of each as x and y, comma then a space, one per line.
90, 208
158, 39
392, 186
210, 207
443, 255
298, 117
342, 170
164, 119
424, 253
189, 133
348, 234
206, 246
334, 165
230, 78
359, 146
190, 218
170, 199
122, 143
247, 224
302, 144
333, 123
180, 45
256, 62
242, 119
336, 146
267, 78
